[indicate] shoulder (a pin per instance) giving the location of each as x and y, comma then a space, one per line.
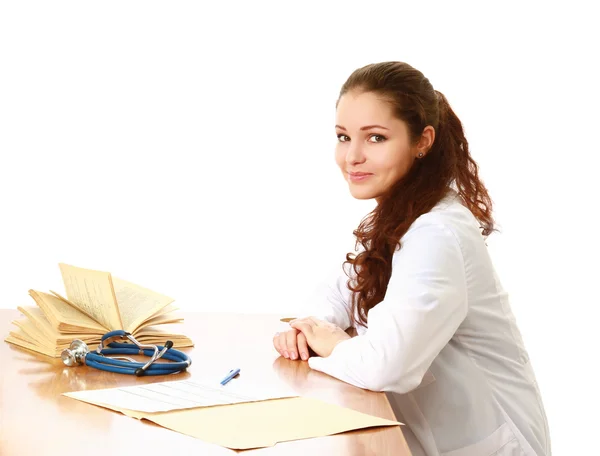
449, 222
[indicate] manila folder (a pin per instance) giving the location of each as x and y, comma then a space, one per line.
261, 424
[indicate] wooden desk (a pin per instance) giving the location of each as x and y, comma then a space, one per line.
36, 420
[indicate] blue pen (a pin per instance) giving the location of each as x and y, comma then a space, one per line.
232, 373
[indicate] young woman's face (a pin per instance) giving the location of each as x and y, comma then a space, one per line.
374, 149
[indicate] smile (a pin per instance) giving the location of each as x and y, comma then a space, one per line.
358, 177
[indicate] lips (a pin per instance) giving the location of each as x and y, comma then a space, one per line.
358, 177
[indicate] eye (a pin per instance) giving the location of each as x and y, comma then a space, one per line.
380, 138
340, 136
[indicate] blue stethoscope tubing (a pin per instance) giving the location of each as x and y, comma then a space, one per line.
181, 361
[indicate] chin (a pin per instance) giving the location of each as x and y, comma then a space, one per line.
362, 193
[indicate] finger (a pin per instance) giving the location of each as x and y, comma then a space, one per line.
283, 344
303, 320
306, 327
302, 346
292, 344
276, 342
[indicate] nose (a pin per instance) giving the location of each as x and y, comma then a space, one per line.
355, 156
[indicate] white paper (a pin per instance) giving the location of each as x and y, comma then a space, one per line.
177, 395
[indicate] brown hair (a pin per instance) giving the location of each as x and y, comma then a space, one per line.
448, 164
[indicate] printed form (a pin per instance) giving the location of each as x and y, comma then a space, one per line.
176, 395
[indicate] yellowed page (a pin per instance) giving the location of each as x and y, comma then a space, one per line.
50, 345
20, 339
92, 292
38, 337
37, 318
161, 320
64, 317
160, 334
281, 420
164, 311
55, 338
136, 303
178, 341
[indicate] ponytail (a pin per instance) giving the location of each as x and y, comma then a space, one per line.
465, 169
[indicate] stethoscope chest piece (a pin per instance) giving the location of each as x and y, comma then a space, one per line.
75, 354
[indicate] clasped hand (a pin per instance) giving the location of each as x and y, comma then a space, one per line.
320, 335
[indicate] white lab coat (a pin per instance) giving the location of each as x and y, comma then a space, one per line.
444, 345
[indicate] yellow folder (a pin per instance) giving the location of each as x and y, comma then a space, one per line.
260, 424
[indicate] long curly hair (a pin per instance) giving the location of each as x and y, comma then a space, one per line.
447, 165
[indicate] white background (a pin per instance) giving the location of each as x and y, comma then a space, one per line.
190, 149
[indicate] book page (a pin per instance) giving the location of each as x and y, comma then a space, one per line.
36, 336
161, 319
136, 303
20, 339
165, 310
60, 314
37, 317
92, 292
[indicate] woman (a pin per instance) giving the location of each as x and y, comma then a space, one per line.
434, 327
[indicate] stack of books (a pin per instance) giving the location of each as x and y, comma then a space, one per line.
95, 304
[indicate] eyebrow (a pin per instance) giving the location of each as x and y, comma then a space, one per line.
366, 127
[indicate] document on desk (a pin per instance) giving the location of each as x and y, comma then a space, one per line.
237, 416
176, 395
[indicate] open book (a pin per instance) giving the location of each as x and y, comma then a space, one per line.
96, 303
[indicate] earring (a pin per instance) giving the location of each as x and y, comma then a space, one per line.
420, 154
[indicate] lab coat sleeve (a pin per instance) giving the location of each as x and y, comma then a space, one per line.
425, 302
331, 299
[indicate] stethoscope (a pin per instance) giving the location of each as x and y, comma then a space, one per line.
78, 353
